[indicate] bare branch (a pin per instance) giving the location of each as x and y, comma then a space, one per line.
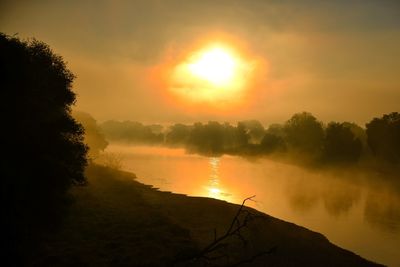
238, 223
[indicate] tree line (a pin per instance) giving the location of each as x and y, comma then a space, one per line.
302, 137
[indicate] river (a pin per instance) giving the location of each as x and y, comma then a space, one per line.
355, 211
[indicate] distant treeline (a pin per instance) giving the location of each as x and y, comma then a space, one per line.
302, 137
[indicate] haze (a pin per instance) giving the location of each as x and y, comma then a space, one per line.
142, 131
338, 60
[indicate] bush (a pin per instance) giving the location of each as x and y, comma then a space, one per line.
43, 151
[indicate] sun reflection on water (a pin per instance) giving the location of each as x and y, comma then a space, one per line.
358, 211
214, 188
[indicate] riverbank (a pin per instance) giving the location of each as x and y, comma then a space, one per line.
117, 221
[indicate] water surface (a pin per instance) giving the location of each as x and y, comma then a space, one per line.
357, 211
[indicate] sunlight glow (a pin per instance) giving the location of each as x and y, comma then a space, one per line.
215, 65
214, 74
214, 191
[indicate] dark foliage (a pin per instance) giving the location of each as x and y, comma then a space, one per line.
304, 134
132, 132
272, 143
214, 138
340, 144
255, 130
384, 137
43, 150
178, 135
94, 137
302, 139
273, 140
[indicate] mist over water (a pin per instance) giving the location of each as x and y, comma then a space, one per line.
358, 211
219, 99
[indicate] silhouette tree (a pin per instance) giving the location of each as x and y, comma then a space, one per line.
94, 137
340, 144
273, 140
255, 130
132, 132
43, 149
383, 137
241, 136
304, 134
272, 143
178, 135
207, 138
215, 138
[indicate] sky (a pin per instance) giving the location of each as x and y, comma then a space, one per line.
339, 60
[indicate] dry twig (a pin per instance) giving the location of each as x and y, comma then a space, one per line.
215, 250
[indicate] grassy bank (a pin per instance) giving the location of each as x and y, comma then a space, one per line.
117, 221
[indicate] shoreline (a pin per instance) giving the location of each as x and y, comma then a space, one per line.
118, 221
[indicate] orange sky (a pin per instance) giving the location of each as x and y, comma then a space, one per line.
338, 60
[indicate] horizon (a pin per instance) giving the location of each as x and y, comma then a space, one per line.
231, 122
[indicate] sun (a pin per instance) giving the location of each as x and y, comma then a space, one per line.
215, 73
215, 65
